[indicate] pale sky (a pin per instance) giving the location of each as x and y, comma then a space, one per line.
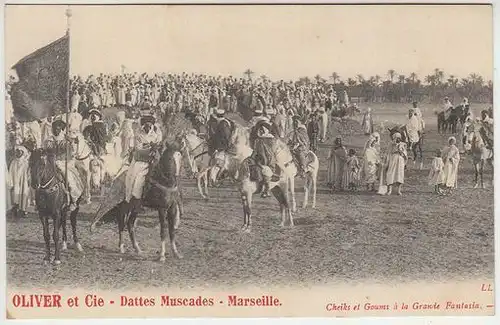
283, 42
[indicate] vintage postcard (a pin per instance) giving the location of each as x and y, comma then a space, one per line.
168, 161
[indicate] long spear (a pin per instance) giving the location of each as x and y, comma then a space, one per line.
68, 25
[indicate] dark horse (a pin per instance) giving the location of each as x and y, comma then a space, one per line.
52, 201
416, 148
457, 115
161, 192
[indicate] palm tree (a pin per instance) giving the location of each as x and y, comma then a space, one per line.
360, 78
377, 79
413, 77
391, 74
439, 74
335, 77
249, 73
317, 78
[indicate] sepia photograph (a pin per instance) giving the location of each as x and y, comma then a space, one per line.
250, 160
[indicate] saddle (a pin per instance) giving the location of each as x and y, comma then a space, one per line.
255, 172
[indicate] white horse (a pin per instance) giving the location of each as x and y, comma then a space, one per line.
82, 156
247, 187
474, 144
195, 150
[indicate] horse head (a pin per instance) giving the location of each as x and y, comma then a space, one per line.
42, 167
170, 163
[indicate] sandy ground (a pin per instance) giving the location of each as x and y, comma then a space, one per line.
348, 237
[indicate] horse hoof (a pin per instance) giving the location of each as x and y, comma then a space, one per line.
476, 186
79, 247
243, 228
162, 258
314, 206
178, 255
122, 249
304, 206
56, 262
282, 224
247, 230
292, 224
64, 246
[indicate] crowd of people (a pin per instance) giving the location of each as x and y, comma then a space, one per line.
292, 111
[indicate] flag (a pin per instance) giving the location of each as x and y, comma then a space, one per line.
42, 88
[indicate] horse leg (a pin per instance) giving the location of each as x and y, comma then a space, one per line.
314, 181
280, 196
131, 224
173, 213
292, 191
57, 217
162, 214
306, 192
476, 174
199, 179
248, 200
46, 237
122, 212
481, 169
64, 245
245, 211
205, 182
72, 217
421, 155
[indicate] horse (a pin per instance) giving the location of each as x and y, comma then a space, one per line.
162, 193
51, 199
248, 185
449, 122
195, 151
84, 160
416, 148
475, 145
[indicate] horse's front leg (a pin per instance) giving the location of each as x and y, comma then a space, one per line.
476, 175
121, 216
481, 170
72, 217
46, 237
64, 244
245, 211
314, 181
162, 214
199, 179
306, 192
292, 192
132, 223
57, 217
87, 192
173, 214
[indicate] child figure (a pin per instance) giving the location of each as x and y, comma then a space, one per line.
351, 171
436, 172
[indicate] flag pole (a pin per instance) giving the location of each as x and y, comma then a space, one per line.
68, 26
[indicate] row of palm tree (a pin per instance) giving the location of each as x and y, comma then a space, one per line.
405, 88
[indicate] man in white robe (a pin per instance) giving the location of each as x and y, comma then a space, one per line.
144, 144
451, 159
18, 181
58, 144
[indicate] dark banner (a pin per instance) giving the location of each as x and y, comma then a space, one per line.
42, 89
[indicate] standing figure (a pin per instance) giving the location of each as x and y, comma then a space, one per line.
396, 161
367, 123
18, 181
336, 161
436, 171
350, 176
299, 144
451, 159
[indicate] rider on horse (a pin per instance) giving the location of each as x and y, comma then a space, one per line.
58, 145
146, 145
220, 130
487, 129
96, 133
299, 144
413, 128
264, 155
